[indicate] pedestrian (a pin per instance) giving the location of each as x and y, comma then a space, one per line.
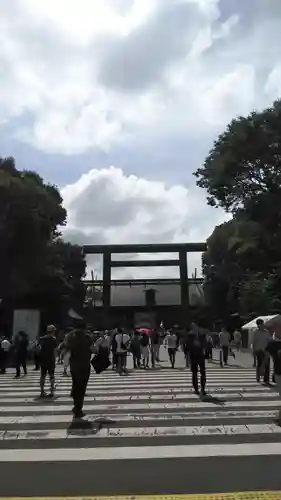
103, 344
36, 355
136, 349
196, 349
144, 342
185, 348
155, 347
261, 337
20, 346
47, 359
122, 346
113, 349
237, 340
225, 339
273, 349
80, 345
5, 347
172, 343
209, 347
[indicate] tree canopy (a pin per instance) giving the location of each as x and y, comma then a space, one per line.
245, 161
34, 261
242, 174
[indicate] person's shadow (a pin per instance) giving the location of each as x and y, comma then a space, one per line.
82, 427
208, 398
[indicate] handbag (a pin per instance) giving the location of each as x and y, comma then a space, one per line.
100, 362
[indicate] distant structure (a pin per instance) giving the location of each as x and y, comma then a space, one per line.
144, 302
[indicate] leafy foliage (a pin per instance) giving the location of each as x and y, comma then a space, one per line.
245, 161
37, 267
242, 174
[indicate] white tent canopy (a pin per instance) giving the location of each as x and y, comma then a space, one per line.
268, 321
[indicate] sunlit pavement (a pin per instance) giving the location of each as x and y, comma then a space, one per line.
159, 438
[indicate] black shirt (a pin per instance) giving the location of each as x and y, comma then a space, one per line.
155, 337
144, 341
47, 354
274, 349
196, 343
79, 344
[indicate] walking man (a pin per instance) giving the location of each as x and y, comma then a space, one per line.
80, 346
172, 343
273, 349
47, 359
260, 341
122, 347
225, 339
21, 351
196, 349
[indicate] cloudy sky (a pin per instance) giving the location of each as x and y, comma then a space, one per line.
119, 101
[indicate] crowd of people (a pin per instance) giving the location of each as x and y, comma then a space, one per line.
79, 348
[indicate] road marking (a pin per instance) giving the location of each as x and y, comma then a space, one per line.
151, 390
248, 495
146, 397
119, 417
140, 432
140, 452
141, 406
136, 388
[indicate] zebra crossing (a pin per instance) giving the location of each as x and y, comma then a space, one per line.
147, 414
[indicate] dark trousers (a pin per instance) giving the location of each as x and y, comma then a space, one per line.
136, 358
50, 370
80, 379
209, 352
36, 361
20, 362
198, 363
114, 360
3, 360
172, 356
121, 360
225, 352
260, 355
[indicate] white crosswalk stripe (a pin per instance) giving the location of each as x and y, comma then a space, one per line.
147, 414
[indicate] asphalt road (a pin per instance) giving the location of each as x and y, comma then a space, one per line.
146, 476
173, 476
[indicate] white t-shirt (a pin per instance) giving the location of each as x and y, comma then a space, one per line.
172, 341
121, 338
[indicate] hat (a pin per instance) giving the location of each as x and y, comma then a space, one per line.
51, 328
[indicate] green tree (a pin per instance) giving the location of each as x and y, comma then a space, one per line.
245, 162
230, 257
242, 174
30, 212
59, 286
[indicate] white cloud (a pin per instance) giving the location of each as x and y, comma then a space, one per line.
147, 76
94, 73
105, 206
